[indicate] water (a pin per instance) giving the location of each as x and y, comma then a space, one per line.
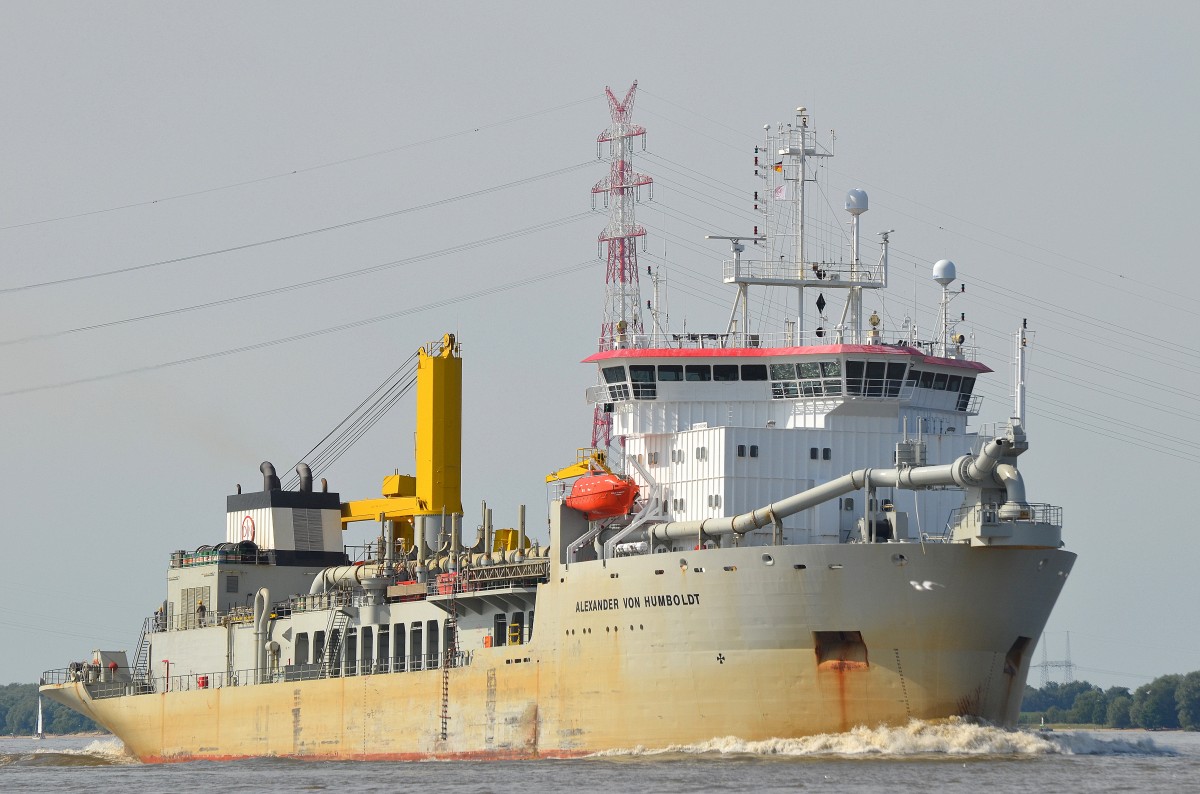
944, 757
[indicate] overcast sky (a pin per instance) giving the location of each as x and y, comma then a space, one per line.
205, 151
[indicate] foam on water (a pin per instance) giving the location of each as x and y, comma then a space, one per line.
108, 751
953, 737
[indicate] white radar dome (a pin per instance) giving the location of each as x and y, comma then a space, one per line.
943, 272
856, 202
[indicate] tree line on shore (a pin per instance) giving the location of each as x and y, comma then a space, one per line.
18, 713
1169, 702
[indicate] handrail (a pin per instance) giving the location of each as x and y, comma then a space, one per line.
102, 683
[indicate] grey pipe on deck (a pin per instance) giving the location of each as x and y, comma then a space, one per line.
262, 608
966, 472
331, 576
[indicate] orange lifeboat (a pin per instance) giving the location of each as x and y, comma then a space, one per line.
602, 496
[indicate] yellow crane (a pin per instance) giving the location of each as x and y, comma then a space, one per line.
436, 488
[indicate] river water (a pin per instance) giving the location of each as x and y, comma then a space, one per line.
919, 758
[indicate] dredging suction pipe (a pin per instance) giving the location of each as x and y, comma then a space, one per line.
329, 577
966, 472
262, 610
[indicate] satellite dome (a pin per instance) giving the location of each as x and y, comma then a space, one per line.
856, 202
943, 272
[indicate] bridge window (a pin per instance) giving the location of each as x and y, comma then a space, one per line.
783, 372
754, 372
926, 380
876, 370
644, 386
964, 396
614, 374
831, 371
725, 373
895, 378
816, 379
670, 372
939, 381
618, 389
697, 372
854, 377
741, 450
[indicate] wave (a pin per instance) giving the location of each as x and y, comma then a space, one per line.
101, 752
951, 737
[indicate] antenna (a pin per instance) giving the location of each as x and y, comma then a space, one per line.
856, 205
1022, 339
944, 274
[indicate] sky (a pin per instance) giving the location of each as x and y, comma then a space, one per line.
175, 177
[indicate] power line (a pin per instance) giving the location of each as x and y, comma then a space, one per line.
307, 334
297, 235
304, 284
304, 170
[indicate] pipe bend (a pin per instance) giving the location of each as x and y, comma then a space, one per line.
1015, 506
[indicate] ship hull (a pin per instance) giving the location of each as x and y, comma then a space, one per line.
660, 650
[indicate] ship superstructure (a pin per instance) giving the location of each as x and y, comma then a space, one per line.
806, 535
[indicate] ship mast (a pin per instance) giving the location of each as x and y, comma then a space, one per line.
782, 165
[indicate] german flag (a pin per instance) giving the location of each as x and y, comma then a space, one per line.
779, 166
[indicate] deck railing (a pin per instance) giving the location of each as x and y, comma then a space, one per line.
107, 683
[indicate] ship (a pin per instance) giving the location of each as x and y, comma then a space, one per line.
810, 535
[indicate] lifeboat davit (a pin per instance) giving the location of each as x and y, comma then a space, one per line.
602, 496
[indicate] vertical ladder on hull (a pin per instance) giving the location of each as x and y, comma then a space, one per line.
141, 659
451, 654
334, 631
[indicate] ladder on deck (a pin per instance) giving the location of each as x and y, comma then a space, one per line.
141, 659
334, 631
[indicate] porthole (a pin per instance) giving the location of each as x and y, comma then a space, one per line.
899, 559
768, 559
